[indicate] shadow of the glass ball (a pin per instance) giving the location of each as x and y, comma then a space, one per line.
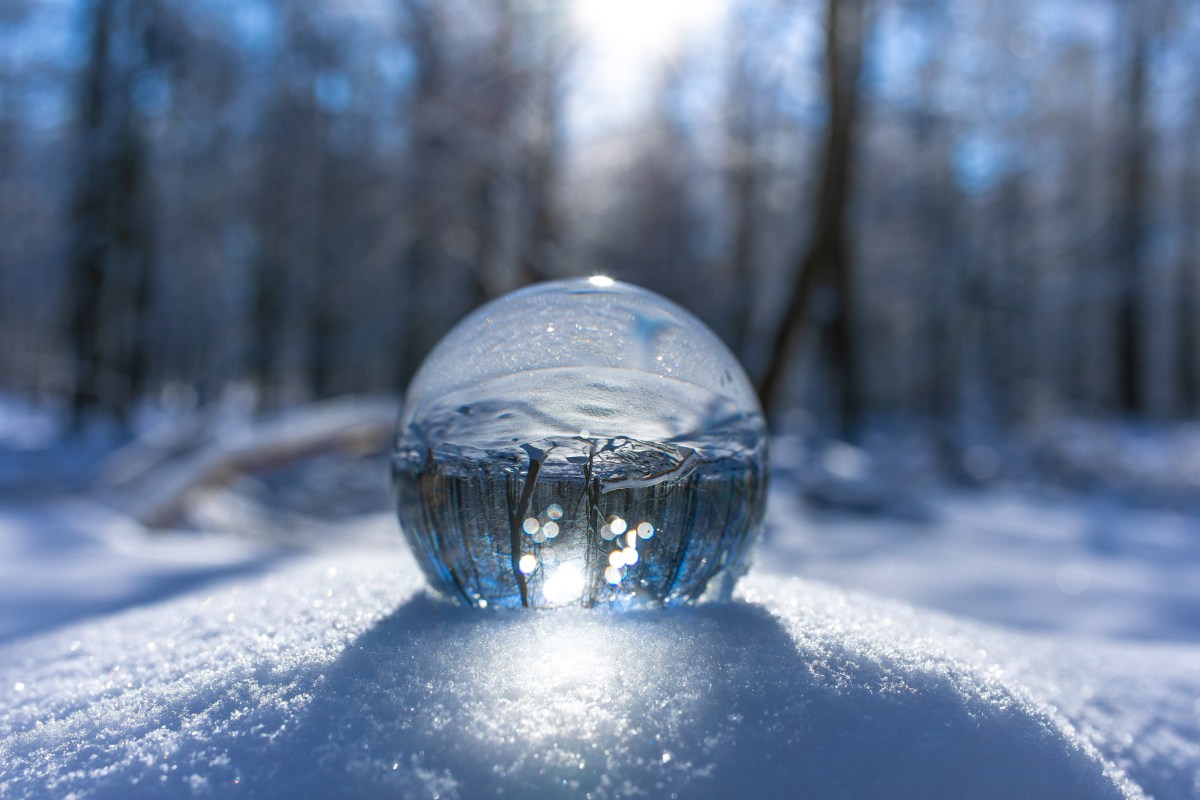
705, 701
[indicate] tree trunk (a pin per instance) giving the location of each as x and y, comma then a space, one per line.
133, 248
540, 160
322, 312
111, 268
743, 185
496, 112
541, 238
825, 266
266, 315
270, 266
1189, 346
1188, 316
1131, 218
426, 185
88, 217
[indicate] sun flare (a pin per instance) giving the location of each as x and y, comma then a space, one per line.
624, 47
640, 30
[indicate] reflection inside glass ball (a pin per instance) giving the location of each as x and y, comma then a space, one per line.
580, 442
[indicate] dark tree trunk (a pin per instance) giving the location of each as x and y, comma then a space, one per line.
322, 313
132, 244
89, 217
541, 239
323, 324
538, 170
1188, 316
743, 186
486, 224
495, 110
1131, 218
826, 267
111, 268
266, 315
426, 185
1189, 347
268, 292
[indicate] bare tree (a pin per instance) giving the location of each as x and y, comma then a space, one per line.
824, 270
492, 114
269, 274
111, 261
1188, 269
513, 110
89, 220
653, 231
332, 202
1131, 214
539, 167
282, 163
1021, 242
743, 178
426, 182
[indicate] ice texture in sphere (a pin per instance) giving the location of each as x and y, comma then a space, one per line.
580, 442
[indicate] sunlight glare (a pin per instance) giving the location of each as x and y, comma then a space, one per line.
625, 46
637, 29
565, 585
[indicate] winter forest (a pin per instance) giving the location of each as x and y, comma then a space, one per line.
955, 246
977, 214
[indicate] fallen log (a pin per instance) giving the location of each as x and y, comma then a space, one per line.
158, 497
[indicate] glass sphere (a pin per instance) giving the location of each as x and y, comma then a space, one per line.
577, 443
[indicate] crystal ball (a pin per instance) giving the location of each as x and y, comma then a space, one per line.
580, 443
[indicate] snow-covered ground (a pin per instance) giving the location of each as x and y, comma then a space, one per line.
1039, 561
338, 676
1009, 643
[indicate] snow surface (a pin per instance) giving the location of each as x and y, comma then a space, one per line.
1035, 561
339, 676
72, 559
208, 664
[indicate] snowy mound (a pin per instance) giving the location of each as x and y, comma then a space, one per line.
344, 679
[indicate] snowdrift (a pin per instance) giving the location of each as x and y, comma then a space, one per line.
342, 678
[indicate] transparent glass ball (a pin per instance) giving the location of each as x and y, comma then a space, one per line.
578, 443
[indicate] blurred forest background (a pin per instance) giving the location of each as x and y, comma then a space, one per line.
974, 216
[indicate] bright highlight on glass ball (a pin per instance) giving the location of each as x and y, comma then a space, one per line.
580, 443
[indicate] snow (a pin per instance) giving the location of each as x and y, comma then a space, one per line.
1008, 643
153, 483
338, 676
1033, 560
71, 559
